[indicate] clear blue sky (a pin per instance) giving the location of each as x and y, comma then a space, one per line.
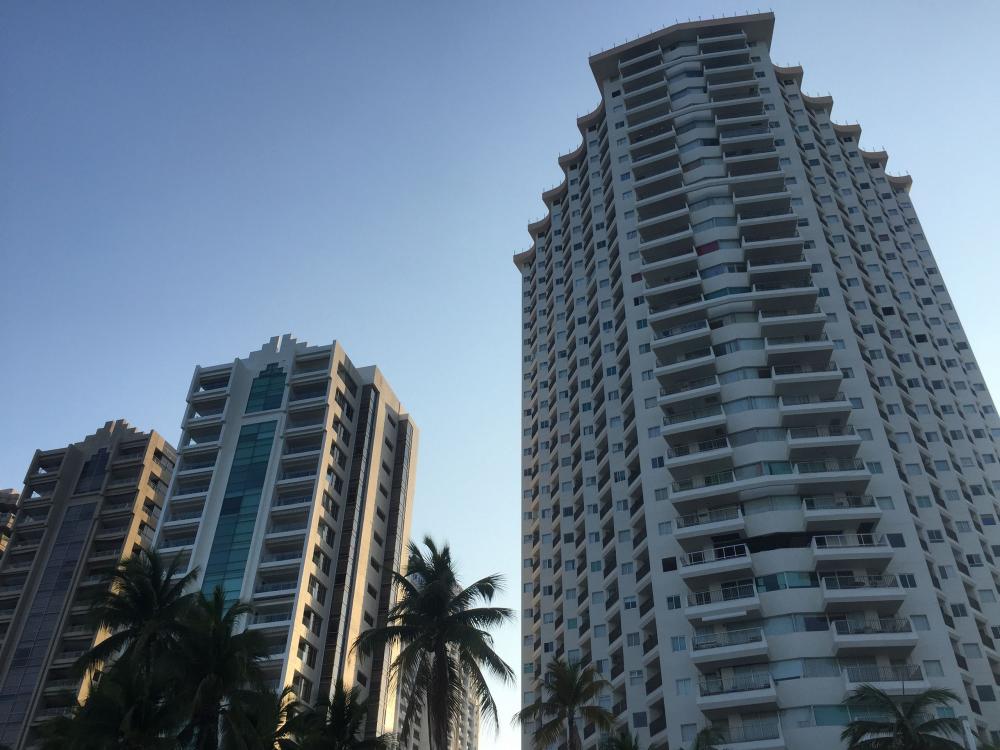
179, 181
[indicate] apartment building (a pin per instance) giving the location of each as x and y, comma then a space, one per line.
759, 458
84, 509
464, 730
293, 492
8, 507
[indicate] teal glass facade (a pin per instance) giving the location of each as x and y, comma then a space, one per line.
267, 389
231, 546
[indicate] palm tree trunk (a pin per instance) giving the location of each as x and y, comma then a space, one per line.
437, 714
572, 736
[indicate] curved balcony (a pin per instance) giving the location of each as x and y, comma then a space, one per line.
654, 269
687, 390
737, 691
718, 561
693, 421
690, 364
856, 636
753, 735
832, 476
706, 523
729, 647
834, 511
669, 342
729, 601
838, 549
809, 349
852, 593
780, 268
822, 441
799, 379
903, 679
791, 321
684, 459
784, 294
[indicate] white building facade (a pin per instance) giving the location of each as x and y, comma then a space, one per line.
759, 459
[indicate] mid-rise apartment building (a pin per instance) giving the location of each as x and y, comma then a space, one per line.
84, 509
294, 492
759, 458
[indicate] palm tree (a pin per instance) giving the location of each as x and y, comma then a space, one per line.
340, 724
888, 724
220, 661
570, 693
442, 633
263, 720
125, 710
624, 740
708, 738
144, 608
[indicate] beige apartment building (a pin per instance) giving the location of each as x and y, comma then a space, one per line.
759, 458
294, 492
84, 509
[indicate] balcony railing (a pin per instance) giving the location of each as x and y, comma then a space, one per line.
829, 465
799, 433
851, 583
837, 541
730, 513
685, 328
873, 626
730, 638
724, 594
263, 588
260, 619
691, 385
846, 502
706, 480
735, 684
693, 414
873, 673
281, 556
779, 370
729, 552
812, 398
704, 446
751, 731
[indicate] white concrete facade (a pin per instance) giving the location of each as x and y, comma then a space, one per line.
759, 459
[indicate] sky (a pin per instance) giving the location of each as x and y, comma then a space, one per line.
180, 181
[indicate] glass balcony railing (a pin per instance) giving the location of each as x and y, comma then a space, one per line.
751, 731
846, 502
735, 684
729, 552
724, 594
852, 583
873, 673
730, 638
693, 414
873, 626
704, 446
840, 541
718, 515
